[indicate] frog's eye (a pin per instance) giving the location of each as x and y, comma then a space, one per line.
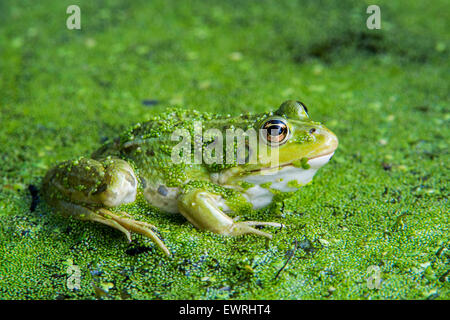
275, 131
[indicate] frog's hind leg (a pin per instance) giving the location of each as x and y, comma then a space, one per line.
85, 188
200, 208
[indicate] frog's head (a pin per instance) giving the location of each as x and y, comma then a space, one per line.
297, 147
294, 138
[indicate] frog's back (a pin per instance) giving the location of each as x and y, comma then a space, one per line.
151, 133
155, 134
148, 146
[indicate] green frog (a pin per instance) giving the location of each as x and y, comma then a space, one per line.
204, 166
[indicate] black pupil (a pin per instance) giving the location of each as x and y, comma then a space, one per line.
276, 127
276, 130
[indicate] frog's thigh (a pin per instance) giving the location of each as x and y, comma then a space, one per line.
199, 208
92, 182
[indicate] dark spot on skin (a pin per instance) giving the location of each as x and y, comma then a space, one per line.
143, 183
150, 102
101, 188
162, 190
130, 147
34, 197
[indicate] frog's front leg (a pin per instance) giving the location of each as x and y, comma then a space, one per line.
200, 208
85, 188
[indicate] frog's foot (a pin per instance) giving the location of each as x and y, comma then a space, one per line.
200, 208
128, 225
120, 221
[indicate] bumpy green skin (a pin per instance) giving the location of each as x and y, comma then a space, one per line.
148, 146
384, 92
86, 187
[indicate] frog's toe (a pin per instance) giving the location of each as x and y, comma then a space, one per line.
246, 227
141, 223
261, 223
242, 228
109, 222
127, 225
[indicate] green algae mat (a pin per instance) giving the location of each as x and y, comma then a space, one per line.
374, 222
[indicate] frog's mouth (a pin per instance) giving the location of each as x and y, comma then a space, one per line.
313, 162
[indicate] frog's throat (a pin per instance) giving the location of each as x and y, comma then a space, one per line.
317, 161
281, 180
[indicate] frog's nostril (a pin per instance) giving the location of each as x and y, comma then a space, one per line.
312, 130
